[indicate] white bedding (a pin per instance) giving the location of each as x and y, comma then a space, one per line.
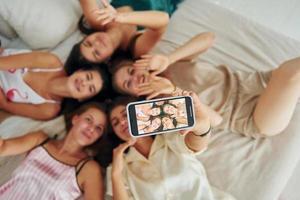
246, 168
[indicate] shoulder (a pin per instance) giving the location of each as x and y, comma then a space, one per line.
91, 169
37, 137
51, 59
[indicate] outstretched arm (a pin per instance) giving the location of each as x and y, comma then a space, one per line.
197, 138
40, 111
35, 59
191, 49
21, 144
155, 22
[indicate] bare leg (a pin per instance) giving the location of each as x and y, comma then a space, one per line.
277, 103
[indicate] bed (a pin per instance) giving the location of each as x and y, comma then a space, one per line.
254, 169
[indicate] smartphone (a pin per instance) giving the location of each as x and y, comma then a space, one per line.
160, 115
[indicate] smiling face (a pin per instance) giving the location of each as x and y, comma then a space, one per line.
97, 47
127, 79
89, 126
155, 111
155, 124
167, 123
169, 109
118, 120
84, 84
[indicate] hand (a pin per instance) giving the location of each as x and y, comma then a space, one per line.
1, 50
201, 117
156, 63
156, 86
118, 161
107, 14
3, 99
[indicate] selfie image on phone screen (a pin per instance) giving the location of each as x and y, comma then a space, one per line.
160, 115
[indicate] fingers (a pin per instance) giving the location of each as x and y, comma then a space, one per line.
107, 20
147, 56
183, 132
153, 95
141, 65
156, 72
146, 92
105, 3
122, 147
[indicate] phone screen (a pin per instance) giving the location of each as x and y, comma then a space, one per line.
160, 115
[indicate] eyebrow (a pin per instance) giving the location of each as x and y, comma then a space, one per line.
114, 120
91, 116
85, 44
123, 111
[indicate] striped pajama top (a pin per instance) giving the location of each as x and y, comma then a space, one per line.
42, 177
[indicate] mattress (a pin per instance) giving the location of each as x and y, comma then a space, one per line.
247, 168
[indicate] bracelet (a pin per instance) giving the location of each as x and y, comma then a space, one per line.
177, 91
203, 134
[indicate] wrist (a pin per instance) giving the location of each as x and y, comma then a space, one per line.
203, 127
176, 91
115, 174
171, 59
120, 17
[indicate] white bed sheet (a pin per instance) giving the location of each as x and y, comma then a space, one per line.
282, 16
246, 168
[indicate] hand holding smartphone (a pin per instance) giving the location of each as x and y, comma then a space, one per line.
160, 115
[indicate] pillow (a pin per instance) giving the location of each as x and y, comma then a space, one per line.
41, 23
6, 30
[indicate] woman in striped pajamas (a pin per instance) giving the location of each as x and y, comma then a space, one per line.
58, 169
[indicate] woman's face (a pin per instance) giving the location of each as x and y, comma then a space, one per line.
127, 79
84, 84
155, 124
155, 111
97, 47
167, 123
118, 120
169, 109
89, 126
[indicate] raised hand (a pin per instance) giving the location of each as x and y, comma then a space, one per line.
118, 161
156, 63
201, 116
107, 14
156, 86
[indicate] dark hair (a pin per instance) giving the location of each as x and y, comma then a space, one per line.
174, 121
163, 106
160, 128
123, 101
77, 61
157, 106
